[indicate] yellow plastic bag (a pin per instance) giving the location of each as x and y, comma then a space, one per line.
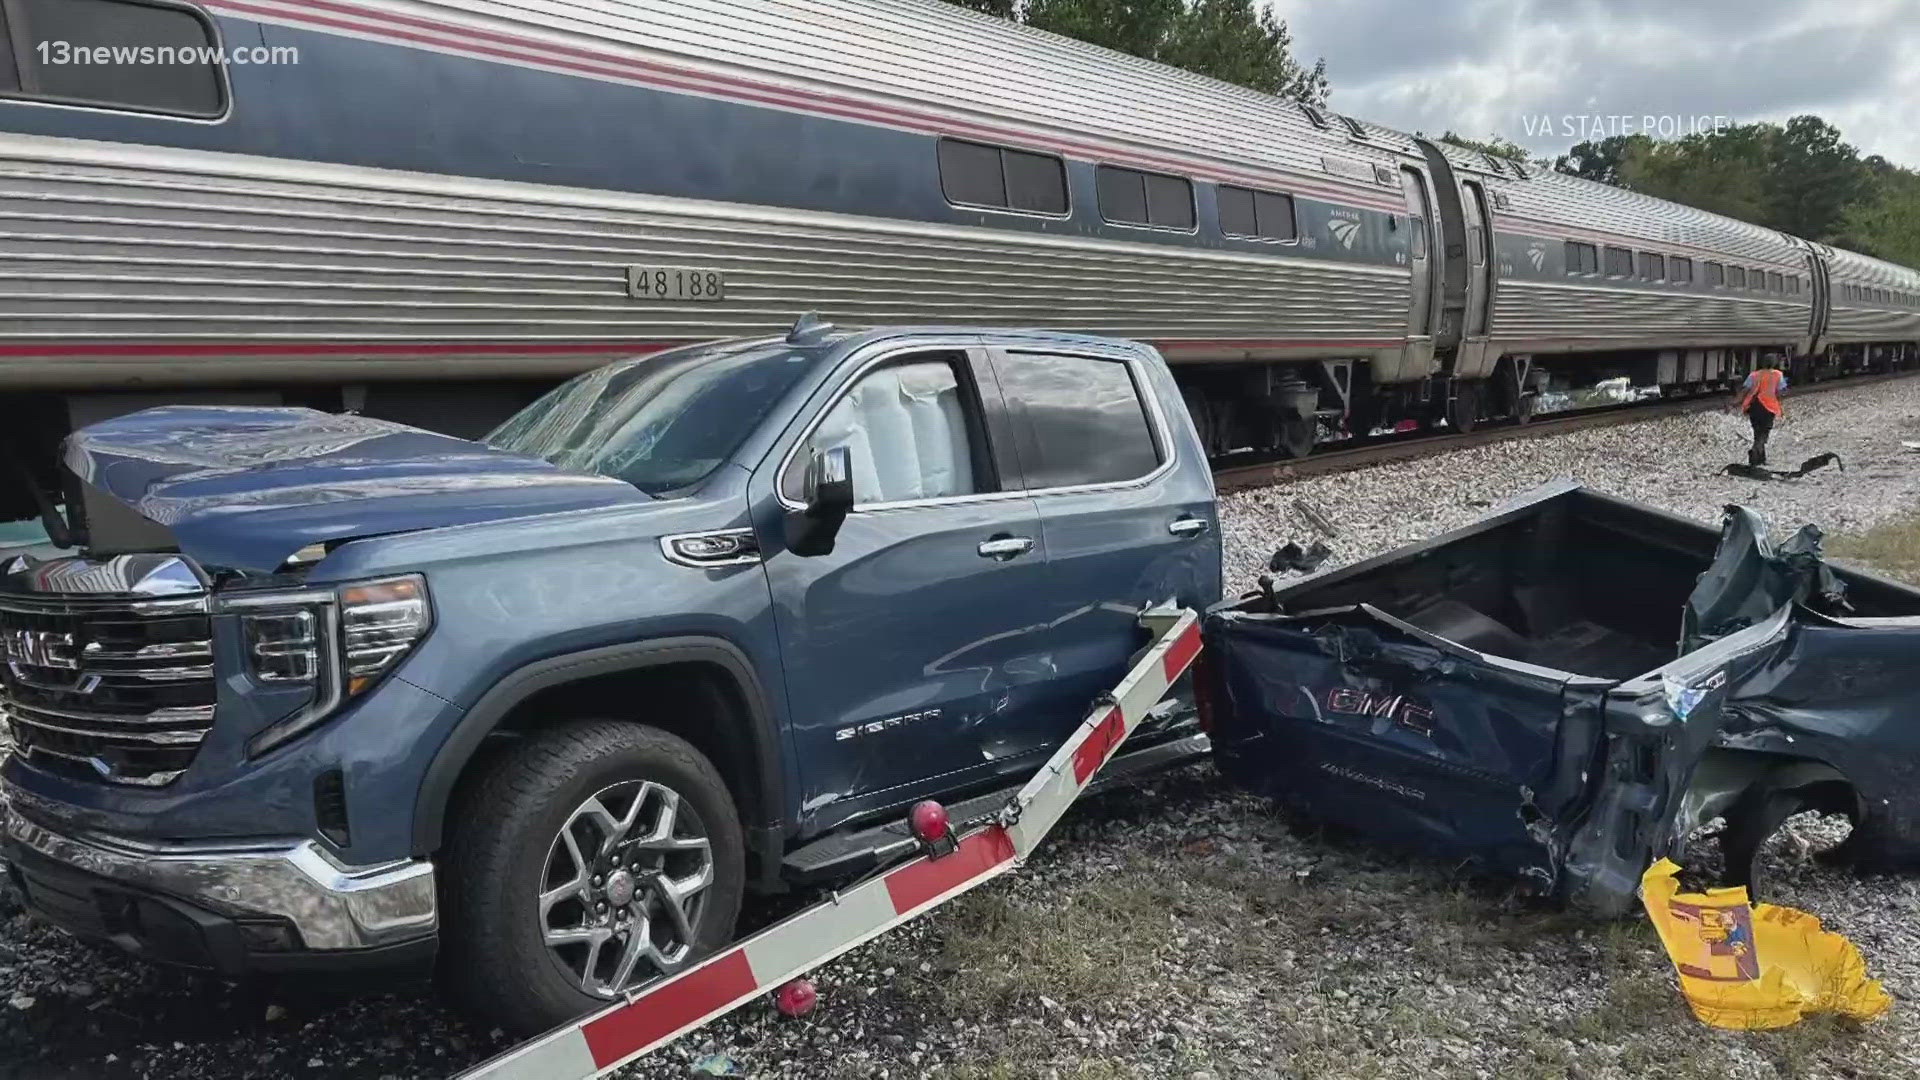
1746, 966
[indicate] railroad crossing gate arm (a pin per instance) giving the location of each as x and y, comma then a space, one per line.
663, 1011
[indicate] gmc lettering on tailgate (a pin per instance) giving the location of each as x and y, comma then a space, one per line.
1347, 701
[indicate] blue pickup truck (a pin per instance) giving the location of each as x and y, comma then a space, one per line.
323, 692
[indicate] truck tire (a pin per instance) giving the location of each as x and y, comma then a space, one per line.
588, 858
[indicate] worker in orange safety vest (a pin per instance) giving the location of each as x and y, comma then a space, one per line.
1760, 400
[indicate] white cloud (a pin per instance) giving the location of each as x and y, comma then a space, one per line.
1482, 67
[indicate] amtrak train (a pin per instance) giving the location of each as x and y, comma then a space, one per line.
429, 210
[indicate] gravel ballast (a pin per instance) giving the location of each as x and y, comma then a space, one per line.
1177, 929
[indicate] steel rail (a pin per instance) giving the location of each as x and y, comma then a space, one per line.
1230, 478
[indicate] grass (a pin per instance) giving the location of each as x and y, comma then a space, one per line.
1275, 952
1891, 548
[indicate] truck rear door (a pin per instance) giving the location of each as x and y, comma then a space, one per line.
1126, 508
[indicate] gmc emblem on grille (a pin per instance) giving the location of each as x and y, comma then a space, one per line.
40, 648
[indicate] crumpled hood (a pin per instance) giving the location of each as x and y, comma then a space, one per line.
244, 488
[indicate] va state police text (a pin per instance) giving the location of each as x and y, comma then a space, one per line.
1607, 125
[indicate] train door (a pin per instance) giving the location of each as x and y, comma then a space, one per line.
1473, 361
1822, 300
1452, 251
1413, 185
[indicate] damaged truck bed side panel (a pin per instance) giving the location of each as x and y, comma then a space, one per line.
1513, 693
1363, 716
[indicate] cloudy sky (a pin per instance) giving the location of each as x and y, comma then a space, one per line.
1530, 70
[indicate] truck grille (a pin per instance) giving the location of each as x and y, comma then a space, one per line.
113, 687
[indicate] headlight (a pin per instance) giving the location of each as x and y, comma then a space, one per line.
381, 620
338, 641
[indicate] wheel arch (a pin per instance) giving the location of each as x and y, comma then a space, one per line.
1726, 776
735, 727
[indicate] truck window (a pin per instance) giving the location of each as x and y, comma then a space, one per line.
658, 422
145, 55
1085, 420
913, 432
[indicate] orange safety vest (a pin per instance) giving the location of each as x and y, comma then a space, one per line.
1766, 387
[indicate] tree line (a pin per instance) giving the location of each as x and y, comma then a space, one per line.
1800, 177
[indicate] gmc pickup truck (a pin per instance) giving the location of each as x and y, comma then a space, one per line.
320, 692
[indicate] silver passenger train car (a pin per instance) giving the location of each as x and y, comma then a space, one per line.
421, 209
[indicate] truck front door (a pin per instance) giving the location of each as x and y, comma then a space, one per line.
913, 646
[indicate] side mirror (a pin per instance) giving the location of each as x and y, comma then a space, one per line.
829, 493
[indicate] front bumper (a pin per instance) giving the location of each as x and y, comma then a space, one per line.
231, 908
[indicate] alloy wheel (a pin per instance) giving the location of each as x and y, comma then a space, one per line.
622, 887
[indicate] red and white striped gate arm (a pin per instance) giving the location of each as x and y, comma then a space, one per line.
663, 1011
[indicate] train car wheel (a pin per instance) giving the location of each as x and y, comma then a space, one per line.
1201, 410
1523, 409
1463, 408
1296, 436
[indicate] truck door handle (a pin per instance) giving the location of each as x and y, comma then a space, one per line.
1005, 547
1187, 526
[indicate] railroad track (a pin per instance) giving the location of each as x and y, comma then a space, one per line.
1241, 477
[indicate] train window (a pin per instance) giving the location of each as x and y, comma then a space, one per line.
1078, 419
1736, 277
1716, 274
1619, 262
998, 178
1132, 197
1260, 215
1170, 201
139, 55
1582, 258
1682, 270
1774, 284
971, 174
1035, 182
1793, 284
1653, 267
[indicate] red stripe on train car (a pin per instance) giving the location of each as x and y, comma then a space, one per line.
676, 1005
918, 882
441, 348
323, 348
1093, 753
1182, 651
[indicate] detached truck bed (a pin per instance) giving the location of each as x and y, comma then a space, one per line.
1565, 688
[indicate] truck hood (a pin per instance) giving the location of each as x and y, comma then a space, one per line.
244, 488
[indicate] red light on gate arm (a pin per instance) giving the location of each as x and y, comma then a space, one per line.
928, 820
796, 998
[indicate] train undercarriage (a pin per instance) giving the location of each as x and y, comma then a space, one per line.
1290, 408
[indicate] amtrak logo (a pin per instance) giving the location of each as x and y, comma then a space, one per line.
1538, 257
1345, 231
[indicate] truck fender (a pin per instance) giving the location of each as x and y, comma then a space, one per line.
486, 715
